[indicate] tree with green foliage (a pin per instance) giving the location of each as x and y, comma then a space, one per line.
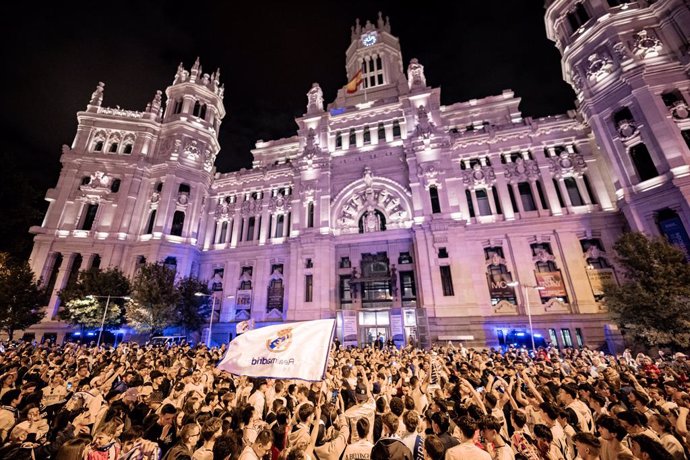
85, 299
192, 310
21, 296
653, 303
154, 299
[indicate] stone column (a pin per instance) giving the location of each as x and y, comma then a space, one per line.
502, 186
60, 283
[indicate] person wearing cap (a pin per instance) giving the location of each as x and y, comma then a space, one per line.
177, 396
364, 406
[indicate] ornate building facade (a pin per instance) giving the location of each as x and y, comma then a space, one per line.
387, 210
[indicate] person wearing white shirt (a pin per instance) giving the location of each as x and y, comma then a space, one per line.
361, 449
467, 450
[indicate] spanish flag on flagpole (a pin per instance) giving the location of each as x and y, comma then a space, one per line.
353, 84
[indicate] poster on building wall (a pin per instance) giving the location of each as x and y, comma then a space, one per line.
275, 296
552, 282
243, 303
397, 331
600, 277
674, 230
349, 328
217, 281
498, 285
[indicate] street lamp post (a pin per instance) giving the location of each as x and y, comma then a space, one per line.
105, 311
528, 309
210, 321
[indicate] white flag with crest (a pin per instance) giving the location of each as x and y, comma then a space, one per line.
284, 351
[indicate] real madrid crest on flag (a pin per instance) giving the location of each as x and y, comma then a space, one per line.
280, 343
285, 351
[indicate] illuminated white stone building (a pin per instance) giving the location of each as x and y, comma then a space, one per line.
387, 210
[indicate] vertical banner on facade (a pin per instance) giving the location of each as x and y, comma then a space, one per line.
243, 303
397, 331
217, 281
675, 232
498, 285
600, 277
552, 282
349, 328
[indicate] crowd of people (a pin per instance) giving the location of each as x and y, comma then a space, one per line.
134, 402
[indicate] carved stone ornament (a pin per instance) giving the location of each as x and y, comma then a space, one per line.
210, 159
621, 51
646, 44
224, 210
155, 197
251, 207
373, 197
598, 66
429, 175
555, 305
98, 186
311, 148
567, 164
522, 170
505, 308
315, 99
479, 176
183, 198
542, 255
494, 260
425, 128
415, 74
680, 110
627, 129
98, 180
279, 204
594, 252
97, 95
307, 192
576, 79
191, 150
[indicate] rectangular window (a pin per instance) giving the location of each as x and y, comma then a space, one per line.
308, 288
573, 191
382, 133
345, 262
567, 339
578, 337
404, 258
407, 285
310, 215
553, 337
435, 203
250, 228
89, 217
526, 196
446, 281
345, 293
483, 202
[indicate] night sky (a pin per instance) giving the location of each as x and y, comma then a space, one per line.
269, 55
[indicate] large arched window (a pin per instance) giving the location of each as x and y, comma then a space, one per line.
177, 223
396, 129
643, 163
223, 232
366, 136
